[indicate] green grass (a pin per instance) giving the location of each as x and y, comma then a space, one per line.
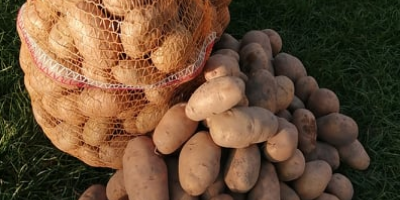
350, 47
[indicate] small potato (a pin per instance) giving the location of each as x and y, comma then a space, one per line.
216, 188
287, 193
196, 175
304, 87
242, 126
327, 196
290, 66
340, 186
214, 97
149, 117
354, 155
323, 102
337, 129
222, 65
256, 36
283, 145
306, 124
228, 52
276, 40
326, 152
176, 191
222, 197
296, 104
97, 130
267, 186
115, 188
284, 92
261, 90
285, 114
314, 180
291, 168
145, 173
174, 129
242, 168
227, 41
253, 58
94, 192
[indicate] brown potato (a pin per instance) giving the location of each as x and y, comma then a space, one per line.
354, 155
222, 65
227, 41
285, 114
340, 186
283, 145
176, 191
287, 193
112, 150
149, 117
64, 107
145, 173
222, 197
326, 152
253, 58
228, 52
35, 24
323, 102
314, 180
296, 104
159, 95
290, 66
276, 40
284, 92
216, 188
261, 90
267, 186
94, 192
115, 188
327, 196
337, 129
196, 175
64, 136
136, 73
256, 36
61, 41
306, 124
304, 87
291, 168
97, 130
95, 102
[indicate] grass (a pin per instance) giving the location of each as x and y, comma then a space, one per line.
350, 47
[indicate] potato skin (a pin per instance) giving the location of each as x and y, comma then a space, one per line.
296, 104
305, 86
292, 168
287, 193
284, 92
216, 188
195, 175
173, 129
115, 188
227, 41
314, 180
94, 192
322, 102
253, 58
267, 186
222, 65
327, 196
256, 125
256, 36
289, 65
275, 39
175, 190
145, 173
228, 52
354, 155
261, 90
340, 186
306, 124
326, 152
337, 129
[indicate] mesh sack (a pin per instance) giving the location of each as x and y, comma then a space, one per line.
101, 72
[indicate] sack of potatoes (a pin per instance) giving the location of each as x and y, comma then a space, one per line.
100, 72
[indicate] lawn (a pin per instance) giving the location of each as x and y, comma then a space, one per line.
350, 47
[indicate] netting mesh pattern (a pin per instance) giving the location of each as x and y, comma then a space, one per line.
100, 72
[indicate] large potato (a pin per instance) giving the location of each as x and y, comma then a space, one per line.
267, 186
115, 189
354, 155
337, 129
290, 66
222, 65
340, 186
291, 168
261, 90
322, 102
305, 86
42, 117
306, 124
326, 152
176, 191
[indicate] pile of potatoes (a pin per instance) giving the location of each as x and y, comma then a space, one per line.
258, 128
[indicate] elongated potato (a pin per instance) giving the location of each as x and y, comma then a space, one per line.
97, 130
306, 124
61, 41
227, 41
327, 196
337, 129
340, 186
304, 87
222, 65
145, 173
149, 117
174, 129
216, 188
253, 58
94, 192
267, 186
314, 180
64, 107
283, 145
326, 152
196, 175
242, 168
290, 66
115, 188
64, 136
291, 168
275, 39
284, 92
354, 155
261, 90
242, 126
256, 36
214, 97
322, 102
94, 102
176, 191
287, 193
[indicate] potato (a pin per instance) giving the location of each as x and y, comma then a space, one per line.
337, 129
242, 126
94, 192
276, 40
340, 186
216, 188
242, 168
296, 104
159, 95
267, 186
214, 97
176, 192
261, 90
145, 173
253, 58
222, 65
89, 155
354, 155
115, 188
174, 129
222, 197
61, 41
327, 196
95, 102
64, 107
304, 87
283, 145
314, 180
111, 151
284, 92
326, 152
97, 130
289, 65
149, 117
228, 52
33, 94
121, 8
25, 60
291, 168
196, 175
35, 25
42, 117
285, 114
306, 124
323, 102
96, 75
64, 136
256, 36
227, 41
287, 193
136, 73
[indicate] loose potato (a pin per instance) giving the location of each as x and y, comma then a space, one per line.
242, 168
256, 36
97, 130
227, 41
145, 173
228, 52
176, 191
304, 87
314, 180
173, 129
222, 197
306, 124
296, 104
323, 102
214, 97
261, 90
136, 72
283, 145
337, 129
94, 192
95, 102
149, 117
196, 175
242, 126
326, 152
216, 188
340, 186
284, 92
285, 114
327, 196
253, 58
354, 155
290, 66
287, 193
267, 186
291, 168
276, 40
222, 65
115, 188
